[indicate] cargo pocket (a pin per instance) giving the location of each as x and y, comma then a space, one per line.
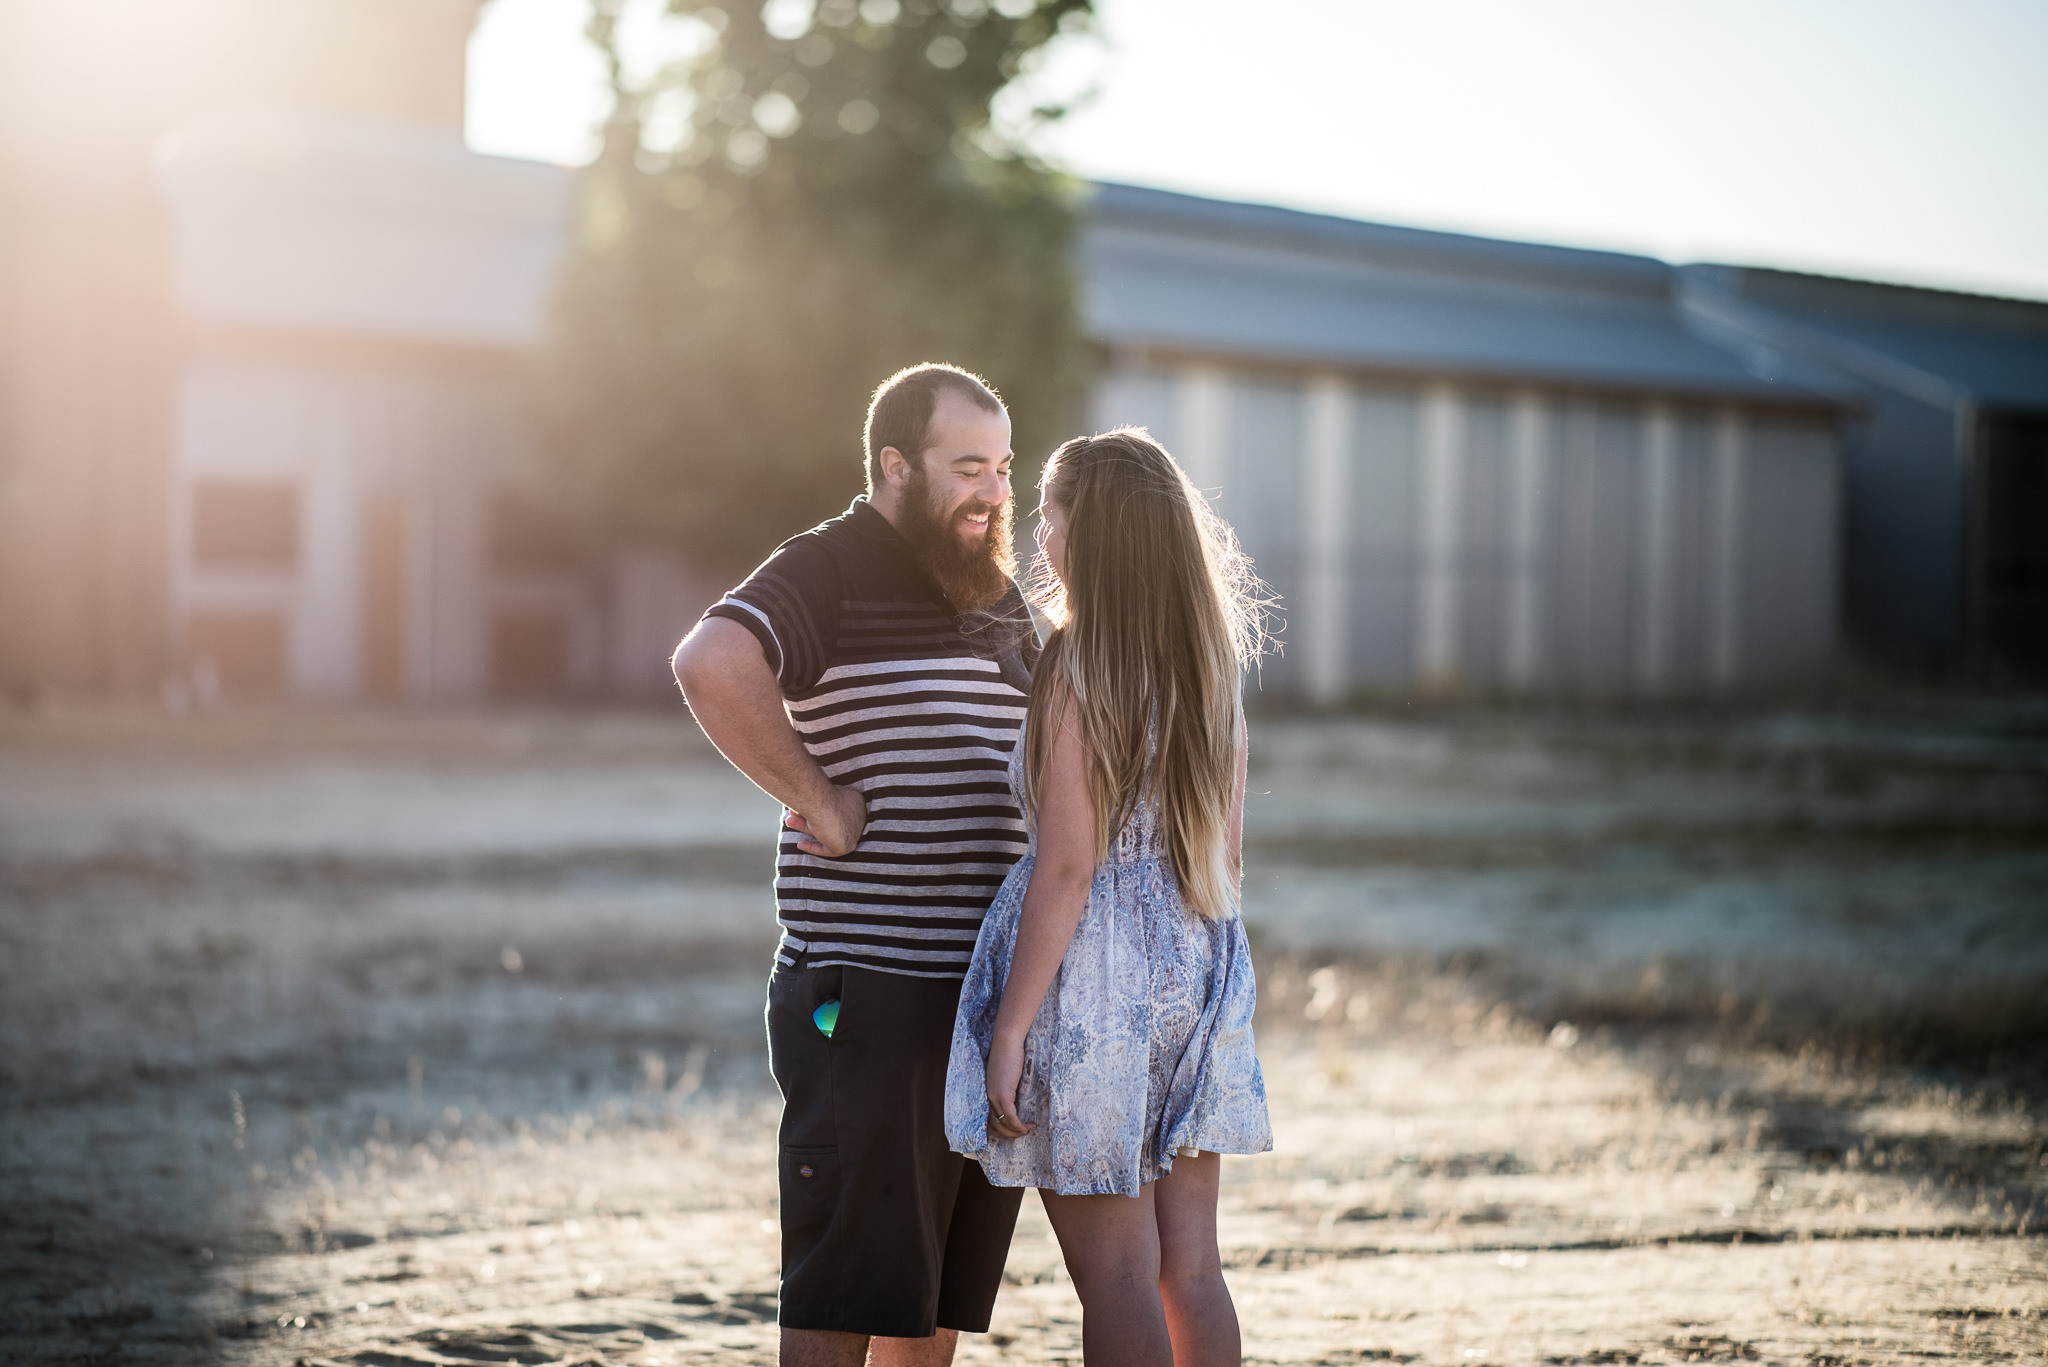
809, 1189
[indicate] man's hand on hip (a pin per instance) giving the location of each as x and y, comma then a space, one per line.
738, 702
835, 828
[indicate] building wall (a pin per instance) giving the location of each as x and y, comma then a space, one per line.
85, 385
1928, 377
91, 338
1463, 538
87, 87
343, 526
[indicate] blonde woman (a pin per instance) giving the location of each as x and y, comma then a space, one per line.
1103, 1048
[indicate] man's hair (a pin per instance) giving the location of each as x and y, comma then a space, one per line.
900, 414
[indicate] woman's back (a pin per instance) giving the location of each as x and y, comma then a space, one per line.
1104, 1031
1140, 838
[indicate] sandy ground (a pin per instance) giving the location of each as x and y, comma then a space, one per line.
434, 1038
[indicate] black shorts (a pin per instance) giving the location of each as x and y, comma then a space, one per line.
884, 1229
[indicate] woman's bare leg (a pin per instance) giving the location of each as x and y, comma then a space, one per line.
1199, 1314
1111, 1244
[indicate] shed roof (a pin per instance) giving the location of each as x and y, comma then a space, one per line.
1176, 271
1991, 351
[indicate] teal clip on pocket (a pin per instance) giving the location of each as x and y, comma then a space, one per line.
826, 1017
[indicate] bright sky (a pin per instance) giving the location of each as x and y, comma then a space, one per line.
1892, 139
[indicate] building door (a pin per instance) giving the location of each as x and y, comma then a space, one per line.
384, 584
245, 561
2015, 565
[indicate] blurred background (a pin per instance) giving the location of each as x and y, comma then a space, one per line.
1641, 414
307, 398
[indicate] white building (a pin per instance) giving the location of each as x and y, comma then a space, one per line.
267, 343
350, 426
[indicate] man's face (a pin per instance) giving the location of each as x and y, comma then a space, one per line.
967, 467
955, 509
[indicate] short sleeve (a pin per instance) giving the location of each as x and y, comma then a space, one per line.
791, 604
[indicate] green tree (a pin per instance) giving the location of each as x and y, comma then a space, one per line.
839, 204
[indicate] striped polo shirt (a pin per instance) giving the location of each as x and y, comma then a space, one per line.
918, 707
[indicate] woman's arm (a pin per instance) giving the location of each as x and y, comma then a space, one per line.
1234, 824
1054, 902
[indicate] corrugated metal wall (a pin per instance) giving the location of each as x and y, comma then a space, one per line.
1381, 563
1262, 497
1484, 540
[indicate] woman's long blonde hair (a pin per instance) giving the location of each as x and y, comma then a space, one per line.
1158, 614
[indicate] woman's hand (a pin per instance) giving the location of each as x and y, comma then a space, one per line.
1005, 1075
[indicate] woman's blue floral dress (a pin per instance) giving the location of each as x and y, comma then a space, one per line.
1143, 1048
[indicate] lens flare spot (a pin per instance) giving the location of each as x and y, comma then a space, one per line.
859, 116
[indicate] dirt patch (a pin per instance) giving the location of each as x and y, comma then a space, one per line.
1579, 1073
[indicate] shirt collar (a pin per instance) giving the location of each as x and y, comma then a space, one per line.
865, 519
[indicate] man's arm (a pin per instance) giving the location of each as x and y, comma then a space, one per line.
736, 699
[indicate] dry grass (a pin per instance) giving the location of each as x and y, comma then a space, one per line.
1646, 1041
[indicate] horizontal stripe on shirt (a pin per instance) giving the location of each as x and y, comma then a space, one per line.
915, 707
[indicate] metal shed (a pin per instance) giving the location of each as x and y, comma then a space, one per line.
1945, 493
1469, 465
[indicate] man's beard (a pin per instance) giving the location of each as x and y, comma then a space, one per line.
973, 575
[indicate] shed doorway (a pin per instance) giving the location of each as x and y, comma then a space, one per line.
2015, 564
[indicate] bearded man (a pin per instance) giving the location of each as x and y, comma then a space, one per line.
871, 676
